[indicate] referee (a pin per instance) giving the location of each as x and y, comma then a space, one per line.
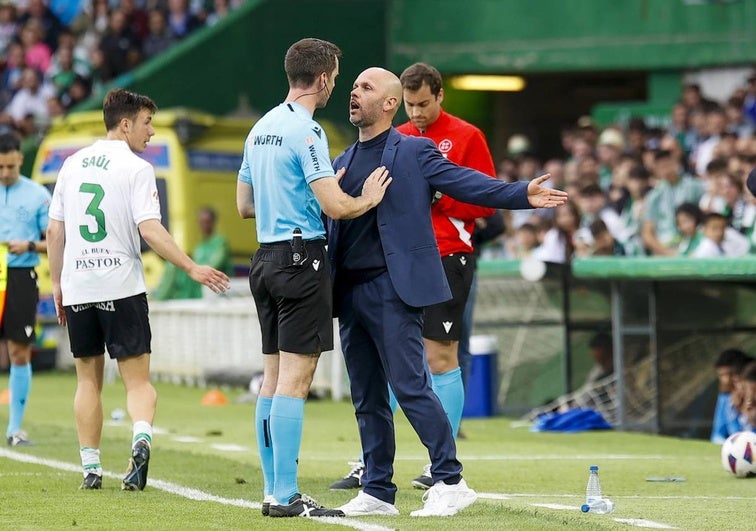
23, 222
285, 179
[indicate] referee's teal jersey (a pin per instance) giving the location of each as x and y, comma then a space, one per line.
23, 216
284, 152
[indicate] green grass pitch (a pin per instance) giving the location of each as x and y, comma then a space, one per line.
526, 480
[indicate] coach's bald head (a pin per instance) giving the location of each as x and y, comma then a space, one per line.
375, 99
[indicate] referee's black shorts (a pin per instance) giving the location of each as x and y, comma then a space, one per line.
294, 303
443, 321
21, 298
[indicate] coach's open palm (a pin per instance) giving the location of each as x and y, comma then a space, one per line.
542, 197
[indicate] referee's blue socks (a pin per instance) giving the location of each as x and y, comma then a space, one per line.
451, 391
286, 418
264, 443
19, 384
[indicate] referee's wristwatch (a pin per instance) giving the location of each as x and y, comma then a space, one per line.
32, 246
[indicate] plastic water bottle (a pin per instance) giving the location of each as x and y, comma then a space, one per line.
594, 500
602, 506
593, 490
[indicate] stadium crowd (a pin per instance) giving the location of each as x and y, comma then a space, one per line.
54, 54
637, 190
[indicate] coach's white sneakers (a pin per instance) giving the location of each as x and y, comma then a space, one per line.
446, 500
364, 504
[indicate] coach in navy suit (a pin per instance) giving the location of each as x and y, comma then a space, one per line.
386, 268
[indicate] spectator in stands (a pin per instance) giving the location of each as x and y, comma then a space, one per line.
679, 127
67, 41
687, 218
693, 98
749, 102
636, 135
90, 26
610, 147
37, 10
221, 9
718, 239
11, 78
62, 75
672, 189
80, 90
8, 27
160, 36
120, 47
592, 202
604, 243
716, 123
736, 120
725, 415
181, 21
136, 18
712, 199
37, 54
735, 206
631, 213
213, 251
558, 245
524, 242
31, 99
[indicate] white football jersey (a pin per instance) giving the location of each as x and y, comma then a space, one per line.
102, 194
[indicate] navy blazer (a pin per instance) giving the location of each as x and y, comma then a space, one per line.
418, 169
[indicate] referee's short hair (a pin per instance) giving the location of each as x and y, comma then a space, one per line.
307, 58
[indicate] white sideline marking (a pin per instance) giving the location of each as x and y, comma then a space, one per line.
186, 439
184, 492
557, 506
230, 447
547, 457
510, 495
639, 522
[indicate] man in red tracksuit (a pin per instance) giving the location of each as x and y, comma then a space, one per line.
453, 224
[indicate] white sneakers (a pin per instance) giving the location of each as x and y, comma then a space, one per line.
446, 500
440, 500
365, 504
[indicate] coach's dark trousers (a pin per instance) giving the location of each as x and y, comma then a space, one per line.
382, 341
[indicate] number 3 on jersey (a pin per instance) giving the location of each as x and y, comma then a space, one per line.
94, 210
